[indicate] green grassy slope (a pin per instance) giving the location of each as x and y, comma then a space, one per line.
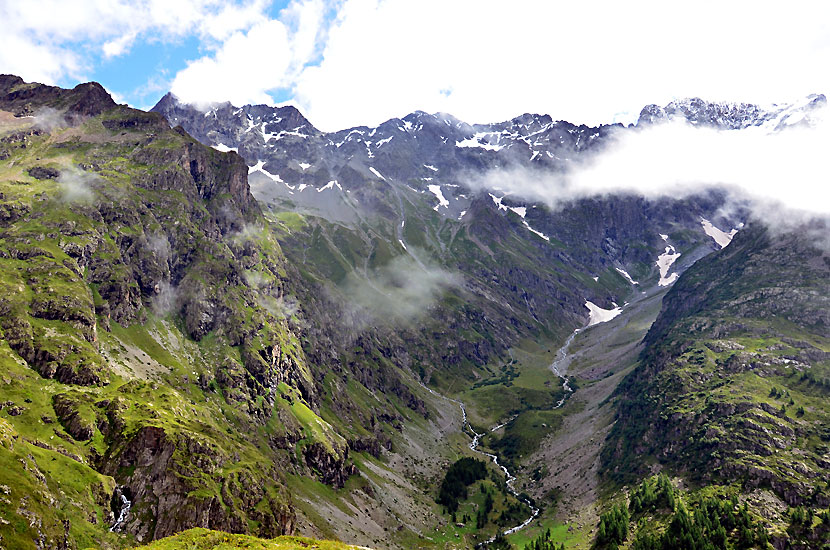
732, 386
204, 539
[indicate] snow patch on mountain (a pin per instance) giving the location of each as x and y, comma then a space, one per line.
436, 190
497, 201
520, 210
222, 148
267, 136
375, 172
260, 167
330, 185
625, 274
527, 225
664, 263
721, 237
599, 315
256, 167
477, 140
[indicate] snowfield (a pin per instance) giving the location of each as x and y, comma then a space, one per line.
598, 315
721, 237
664, 263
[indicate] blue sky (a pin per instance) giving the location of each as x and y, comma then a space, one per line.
351, 62
143, 75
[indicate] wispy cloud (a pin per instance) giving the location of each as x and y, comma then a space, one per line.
400, 292
77, 185
48, 119
166, 301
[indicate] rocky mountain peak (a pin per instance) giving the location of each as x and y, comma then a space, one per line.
24, 99
168, 101
733, 116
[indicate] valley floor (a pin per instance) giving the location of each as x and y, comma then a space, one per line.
599, 358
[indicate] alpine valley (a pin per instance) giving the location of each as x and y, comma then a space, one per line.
223, 328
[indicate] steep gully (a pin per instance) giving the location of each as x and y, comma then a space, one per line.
558, 363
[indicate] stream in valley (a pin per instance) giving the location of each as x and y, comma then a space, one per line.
557, 366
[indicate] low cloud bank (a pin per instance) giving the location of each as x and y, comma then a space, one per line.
783, 176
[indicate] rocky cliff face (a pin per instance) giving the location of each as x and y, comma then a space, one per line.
31, 98
292, 161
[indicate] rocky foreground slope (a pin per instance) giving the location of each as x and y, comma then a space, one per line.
147, 363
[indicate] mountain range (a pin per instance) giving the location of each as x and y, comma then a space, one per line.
225, 318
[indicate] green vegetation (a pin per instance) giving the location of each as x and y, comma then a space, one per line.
714, 524
544, 542
729, 389
147, 340
523, 434
561, 534
666, 518
459, 476
205, 539
652, 495
613, 528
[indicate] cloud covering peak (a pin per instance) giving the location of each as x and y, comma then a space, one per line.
775, 172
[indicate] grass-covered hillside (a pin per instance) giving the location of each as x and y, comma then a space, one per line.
205, 539
733, 383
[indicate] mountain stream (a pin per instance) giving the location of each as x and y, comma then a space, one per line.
558, 364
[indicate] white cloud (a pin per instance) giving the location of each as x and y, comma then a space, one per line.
232, 18
484, 60
118, 46
248, 65
33, 61
46, 40
236, 73
481, 60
